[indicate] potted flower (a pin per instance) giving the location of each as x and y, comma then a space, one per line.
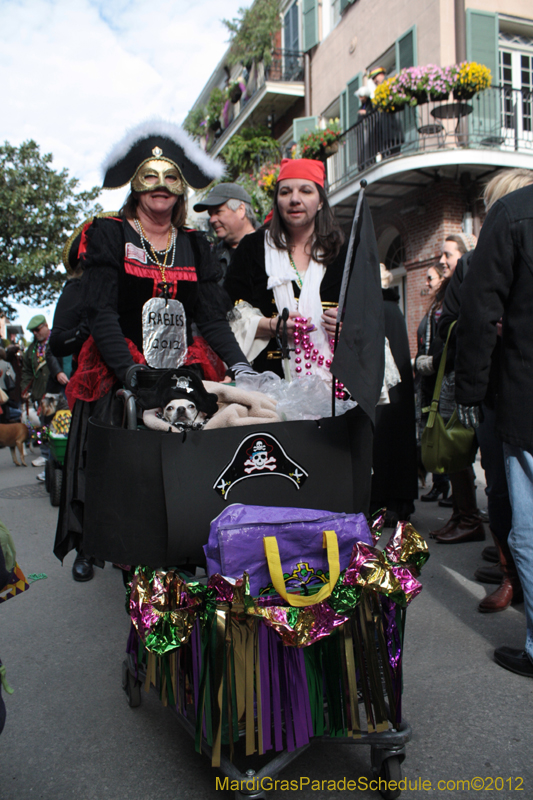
267, 178
321, 144
414, 86
235, 91
470, 78
215, 104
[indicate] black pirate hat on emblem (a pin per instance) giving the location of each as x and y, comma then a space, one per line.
160, 141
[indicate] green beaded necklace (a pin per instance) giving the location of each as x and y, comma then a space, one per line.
299, 278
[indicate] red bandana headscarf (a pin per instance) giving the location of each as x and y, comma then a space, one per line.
305, 168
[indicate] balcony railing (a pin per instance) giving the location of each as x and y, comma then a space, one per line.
286, 66
498, 118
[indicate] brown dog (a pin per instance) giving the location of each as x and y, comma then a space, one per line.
14, 435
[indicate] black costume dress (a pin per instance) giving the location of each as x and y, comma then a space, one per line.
118, 279
395, 478
247, 280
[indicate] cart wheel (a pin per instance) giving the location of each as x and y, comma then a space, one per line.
131, 686
391, 770
47, 474
56, 479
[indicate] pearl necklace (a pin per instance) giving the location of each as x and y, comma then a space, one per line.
171, 245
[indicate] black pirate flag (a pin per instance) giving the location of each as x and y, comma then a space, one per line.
259, 455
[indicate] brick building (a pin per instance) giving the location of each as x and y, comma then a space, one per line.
426, 183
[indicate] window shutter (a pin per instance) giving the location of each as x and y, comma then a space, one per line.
309, 24
303, 125
482, 40
345, 4
352, 101
290, 25
482, 30
406, 50
343, 100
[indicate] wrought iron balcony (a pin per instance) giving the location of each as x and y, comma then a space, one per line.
279, 83
496, 119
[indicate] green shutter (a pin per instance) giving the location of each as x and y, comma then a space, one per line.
352, 101
484, 123
345, 4
482, 40
406, 50
303, 125
343, 100
309, 24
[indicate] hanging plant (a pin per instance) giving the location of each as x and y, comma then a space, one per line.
321, 144
470, 78
248, 148
195, 122
215, 104
235, 91
416, 85
253, 32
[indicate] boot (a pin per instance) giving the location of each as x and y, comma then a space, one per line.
469, 527
450, 525
82, 569
492, 574
436, 491
510, 590
490, 553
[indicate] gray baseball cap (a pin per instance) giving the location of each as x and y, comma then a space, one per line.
222, 192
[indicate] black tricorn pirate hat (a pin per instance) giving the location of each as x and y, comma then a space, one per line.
177, 383
156, 139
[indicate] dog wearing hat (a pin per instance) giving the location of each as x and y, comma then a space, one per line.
178, 402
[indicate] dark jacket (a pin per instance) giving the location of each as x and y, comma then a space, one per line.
70, 328
500, 283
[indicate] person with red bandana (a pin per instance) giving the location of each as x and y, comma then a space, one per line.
297, 263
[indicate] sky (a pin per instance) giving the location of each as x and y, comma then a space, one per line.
76, 74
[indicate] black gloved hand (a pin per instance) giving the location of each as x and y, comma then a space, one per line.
469, 416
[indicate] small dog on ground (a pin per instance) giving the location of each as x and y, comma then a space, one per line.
14, 435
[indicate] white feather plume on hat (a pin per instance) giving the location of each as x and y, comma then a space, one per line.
213, 168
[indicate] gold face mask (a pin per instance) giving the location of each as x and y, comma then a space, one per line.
158, 174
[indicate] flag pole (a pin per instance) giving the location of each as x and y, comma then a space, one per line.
344, 282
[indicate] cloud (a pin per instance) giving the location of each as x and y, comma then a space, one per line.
75, 74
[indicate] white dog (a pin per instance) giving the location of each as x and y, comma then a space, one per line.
182, 413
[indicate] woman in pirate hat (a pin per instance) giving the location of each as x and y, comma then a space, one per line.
150, 290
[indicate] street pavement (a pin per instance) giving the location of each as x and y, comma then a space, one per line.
70, 734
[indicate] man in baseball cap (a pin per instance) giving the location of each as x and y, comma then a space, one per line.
231, 217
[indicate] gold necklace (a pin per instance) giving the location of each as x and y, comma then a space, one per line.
162, 267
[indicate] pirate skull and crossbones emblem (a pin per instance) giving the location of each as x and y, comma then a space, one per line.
259, 457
